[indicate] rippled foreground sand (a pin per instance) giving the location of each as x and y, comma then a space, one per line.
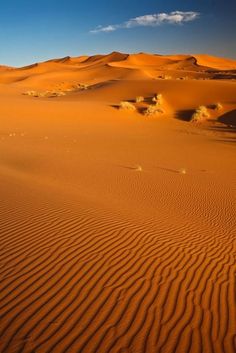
117, 230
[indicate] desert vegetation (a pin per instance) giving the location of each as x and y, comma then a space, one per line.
182, 171
157, 99
139, 168
78, 86
57, 92
148, 110
124, 105
153, 109
139, 99
164, 77
31, 93
51, 94
46, 94
201, 114
217, 106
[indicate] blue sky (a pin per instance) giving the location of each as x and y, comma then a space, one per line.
32, 31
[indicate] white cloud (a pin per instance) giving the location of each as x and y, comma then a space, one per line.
174, 17
109, 28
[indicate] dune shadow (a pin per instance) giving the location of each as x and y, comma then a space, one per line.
149, 99
224, 76
140, 110
129, 167
169, 170
115, 106
227, 140
229, 119
227, 129
184, 115
211, 106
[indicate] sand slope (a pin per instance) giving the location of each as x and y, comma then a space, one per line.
117, 231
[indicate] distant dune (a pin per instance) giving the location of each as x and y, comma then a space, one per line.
144, 65
118, 205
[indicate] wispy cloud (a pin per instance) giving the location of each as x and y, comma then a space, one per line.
174, 17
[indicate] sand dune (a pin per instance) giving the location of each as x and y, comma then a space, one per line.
215, 63
69, 71
118, 230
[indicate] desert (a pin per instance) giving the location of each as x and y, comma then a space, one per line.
118, 209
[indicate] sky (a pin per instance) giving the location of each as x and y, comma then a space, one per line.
34, 31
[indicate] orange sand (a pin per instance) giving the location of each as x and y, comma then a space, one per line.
118, 231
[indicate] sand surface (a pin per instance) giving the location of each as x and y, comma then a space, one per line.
118, 230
